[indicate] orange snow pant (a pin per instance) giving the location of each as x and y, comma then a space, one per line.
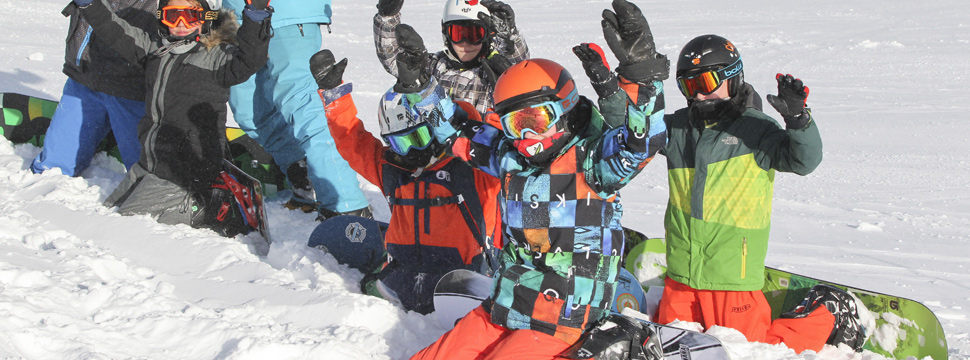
745, 311
475, 337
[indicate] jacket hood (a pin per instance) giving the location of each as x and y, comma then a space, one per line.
223, 31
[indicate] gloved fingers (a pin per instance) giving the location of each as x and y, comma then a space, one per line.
408, 39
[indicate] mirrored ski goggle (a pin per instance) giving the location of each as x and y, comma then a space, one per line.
473, 34
189, 16
538, 118
414, 138
707, 82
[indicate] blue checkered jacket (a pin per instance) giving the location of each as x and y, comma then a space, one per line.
563, 238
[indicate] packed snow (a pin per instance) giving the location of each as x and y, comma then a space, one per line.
888, 210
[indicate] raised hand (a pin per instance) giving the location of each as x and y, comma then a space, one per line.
389, 7
791, 100
598, 70
412, 61
502, 20
258, 4
326, 71
628, 36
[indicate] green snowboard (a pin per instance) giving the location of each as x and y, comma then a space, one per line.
24, 120
903, 327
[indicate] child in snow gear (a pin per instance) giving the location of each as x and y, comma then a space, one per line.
444, 214
561, 168
480, 39
722, 154
278, 107
189, 71
104, 92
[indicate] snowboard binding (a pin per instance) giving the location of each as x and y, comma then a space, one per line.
848, 328
618, 338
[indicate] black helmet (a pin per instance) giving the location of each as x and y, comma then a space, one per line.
712, 52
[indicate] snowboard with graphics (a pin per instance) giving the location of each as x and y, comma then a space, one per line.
899, 327
24, 120
461, 291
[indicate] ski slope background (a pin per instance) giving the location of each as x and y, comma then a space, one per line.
888, 209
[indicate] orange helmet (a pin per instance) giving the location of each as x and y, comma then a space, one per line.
533, 81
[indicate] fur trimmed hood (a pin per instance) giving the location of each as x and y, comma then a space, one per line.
223, 31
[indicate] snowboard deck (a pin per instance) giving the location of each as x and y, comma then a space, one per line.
259, 209
903, 327
353, 240
461, 291
25, 119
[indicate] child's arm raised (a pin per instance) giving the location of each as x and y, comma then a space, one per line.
251, 53
132, 43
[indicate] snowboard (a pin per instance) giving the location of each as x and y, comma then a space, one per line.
256, 211
25, 119
902, 327
355, 241
461, 291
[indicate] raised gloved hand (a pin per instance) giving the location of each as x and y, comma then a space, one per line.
791, 100
629, 37
412, 61
258, 4
326, 70
389, 7
257, 10
502, 20
598, 70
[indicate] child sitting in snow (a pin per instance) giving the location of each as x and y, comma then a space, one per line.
190, 65
444, 214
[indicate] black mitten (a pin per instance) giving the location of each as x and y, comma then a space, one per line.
629, 37
791, 100
502, 21
326, 71
600, 76
389, 7
412, 61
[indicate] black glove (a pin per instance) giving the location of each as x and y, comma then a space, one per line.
628, 35
389, 7
326, 71
258, 4
502, 21
791, 100
494, 65
412, 61
600, 76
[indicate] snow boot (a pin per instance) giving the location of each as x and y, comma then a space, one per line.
618, 338
303, 198
848, 328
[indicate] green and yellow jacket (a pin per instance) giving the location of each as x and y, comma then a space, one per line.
721, 181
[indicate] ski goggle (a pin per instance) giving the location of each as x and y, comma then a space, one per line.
414, 138
473, 34
707, 82
189, 16
538, 118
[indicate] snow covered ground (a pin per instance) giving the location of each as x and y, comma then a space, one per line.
888, 209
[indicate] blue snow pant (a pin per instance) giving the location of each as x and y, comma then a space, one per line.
279, 107
81, 121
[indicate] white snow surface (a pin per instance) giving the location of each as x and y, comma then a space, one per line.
888, 210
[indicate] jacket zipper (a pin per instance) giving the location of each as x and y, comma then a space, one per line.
161, 83
744, 257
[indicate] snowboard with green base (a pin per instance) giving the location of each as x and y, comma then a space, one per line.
903, 327
24, 120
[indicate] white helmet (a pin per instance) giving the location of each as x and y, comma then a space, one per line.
456, 10
396, 113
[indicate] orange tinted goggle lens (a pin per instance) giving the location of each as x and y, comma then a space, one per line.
190, 16
703, 83
473, 34
538, 119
